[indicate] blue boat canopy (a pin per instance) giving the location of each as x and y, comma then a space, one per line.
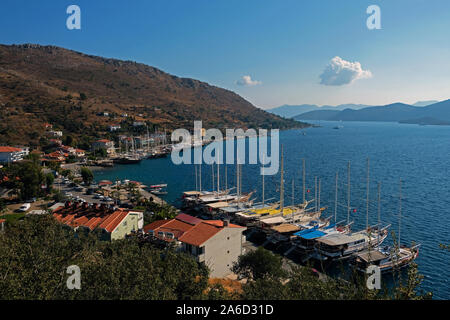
314, 234
300, 233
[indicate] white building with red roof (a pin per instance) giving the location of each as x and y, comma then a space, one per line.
112, 223
106, 144
216, 243
12, 154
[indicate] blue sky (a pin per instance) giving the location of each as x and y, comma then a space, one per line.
284, 46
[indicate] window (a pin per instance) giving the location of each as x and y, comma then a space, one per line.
170, 235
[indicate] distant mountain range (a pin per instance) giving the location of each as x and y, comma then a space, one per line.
434, 114
290, 111
424, 103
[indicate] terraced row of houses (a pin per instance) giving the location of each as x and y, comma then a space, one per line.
216, 243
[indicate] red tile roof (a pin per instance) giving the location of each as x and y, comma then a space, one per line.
111, 222
188, 219
199, 234
9, 149
219, 223
155, 225
76, 215
178, 228
104, 183
188, 229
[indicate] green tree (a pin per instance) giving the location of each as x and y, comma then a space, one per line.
259, 264
59, 196
35, 254
154, 212
68, 141
265, 289
27, 178
49, 179
101, 153
87, 176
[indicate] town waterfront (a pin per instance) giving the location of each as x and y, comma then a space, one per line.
416, 154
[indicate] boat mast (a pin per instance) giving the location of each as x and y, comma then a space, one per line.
318, 202
336, 200
237, 174
226, 182
240, 183
367, 199
315, 194
399, 211
218, 171
200, 176
263, 195
212, 176
196, 184
304, 195
293, 194
348, 193
282, 183
379, 211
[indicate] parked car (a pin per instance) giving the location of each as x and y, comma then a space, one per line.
25, 207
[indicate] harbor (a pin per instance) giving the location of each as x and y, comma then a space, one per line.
182, 179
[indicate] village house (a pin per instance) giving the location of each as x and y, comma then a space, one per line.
80, 153
56, 133
72, 151
112, 223
216, 243
12, 154
55, 142
114, 127
108, 145
56, 156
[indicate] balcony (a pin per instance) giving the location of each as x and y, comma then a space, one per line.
201, 257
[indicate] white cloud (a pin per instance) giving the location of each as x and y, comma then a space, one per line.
247, 81
339, 72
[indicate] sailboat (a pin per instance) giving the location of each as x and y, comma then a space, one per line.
345, 245
128, 158
305, 239
387, 258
